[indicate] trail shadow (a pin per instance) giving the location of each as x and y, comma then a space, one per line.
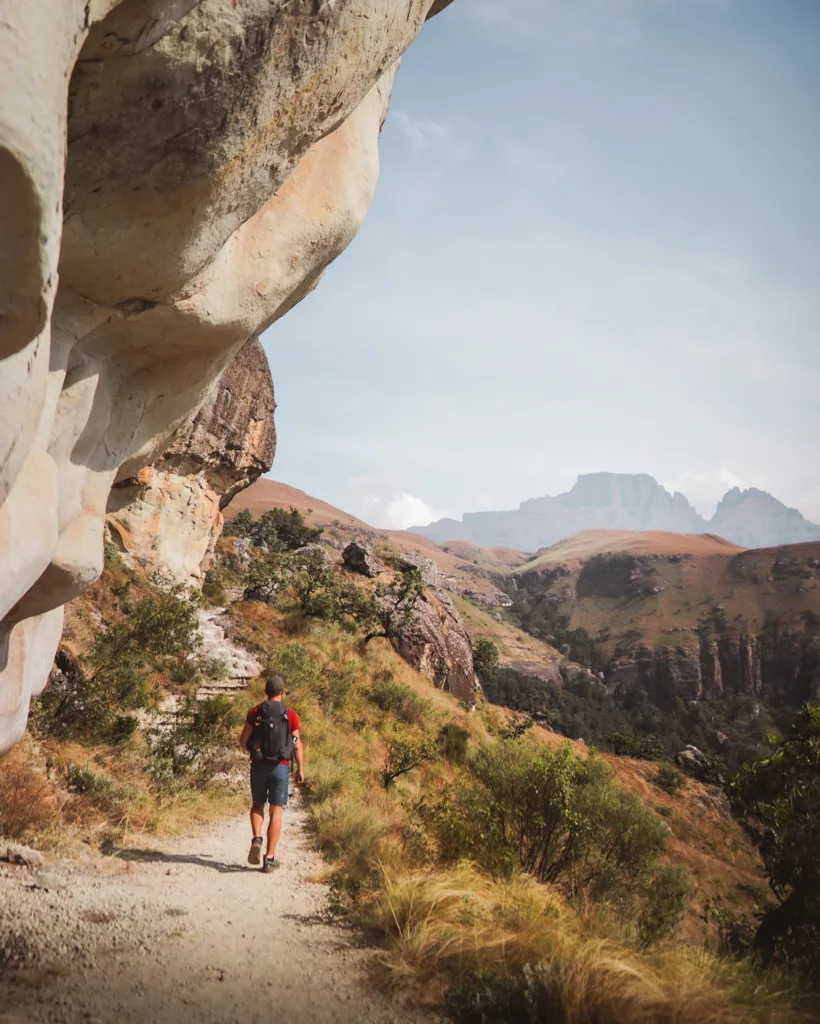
158, 857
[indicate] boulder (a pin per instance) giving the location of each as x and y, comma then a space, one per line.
14, 853
427, 568
692, 759
436, 641
359, 557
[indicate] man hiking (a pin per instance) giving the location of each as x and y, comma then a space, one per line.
270, 736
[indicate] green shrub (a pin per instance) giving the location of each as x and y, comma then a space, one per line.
194, 748
630, 744
335, 683
103, 791
397, 699
485, 657
668, 778
454, 740
666, 897
560, 817
215, 593
87, 700
297, 665
403, 757
277, 529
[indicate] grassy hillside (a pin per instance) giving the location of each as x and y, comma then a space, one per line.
658, 586
496, 869
584, 545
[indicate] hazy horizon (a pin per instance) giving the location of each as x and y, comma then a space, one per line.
594, 247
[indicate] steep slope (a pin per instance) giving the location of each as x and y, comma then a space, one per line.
598, 501
682, 616
165, 904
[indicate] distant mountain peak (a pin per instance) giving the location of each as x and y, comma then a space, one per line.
627, 501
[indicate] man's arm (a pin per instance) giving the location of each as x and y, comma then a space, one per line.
244, 736
299, 754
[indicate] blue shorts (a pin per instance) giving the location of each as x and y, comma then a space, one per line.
269, 784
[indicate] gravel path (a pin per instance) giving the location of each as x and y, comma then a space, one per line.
185, 930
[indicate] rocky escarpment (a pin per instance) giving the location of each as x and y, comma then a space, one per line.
783, 667
169, 517
185, 171
435, 640
693, 624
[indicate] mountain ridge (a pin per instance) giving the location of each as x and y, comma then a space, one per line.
625, 501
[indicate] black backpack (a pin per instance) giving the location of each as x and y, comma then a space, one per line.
272, 741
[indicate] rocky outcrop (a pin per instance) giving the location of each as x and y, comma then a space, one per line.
169, 517
782, 667
436, 641
438, 645
359, 557
190, 169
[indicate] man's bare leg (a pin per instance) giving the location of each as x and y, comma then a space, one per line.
274, 830
257, 818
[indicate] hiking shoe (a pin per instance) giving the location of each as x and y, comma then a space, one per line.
271, 864
255, 852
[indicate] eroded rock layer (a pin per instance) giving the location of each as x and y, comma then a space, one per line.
169, 517
191, 167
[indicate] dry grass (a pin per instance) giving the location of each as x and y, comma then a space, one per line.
460, 925
29, 803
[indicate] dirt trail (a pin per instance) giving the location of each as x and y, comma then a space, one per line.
201, 937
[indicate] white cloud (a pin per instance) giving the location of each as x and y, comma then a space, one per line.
421, 131
401, 511
705, 489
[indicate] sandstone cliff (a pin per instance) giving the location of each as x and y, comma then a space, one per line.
169, 517
190, 169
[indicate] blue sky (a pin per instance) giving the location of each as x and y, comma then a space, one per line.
595, 246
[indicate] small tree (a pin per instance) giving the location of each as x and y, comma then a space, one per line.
485, 657
778, 798
241, 525
392, 611
283, 531
91, 698
403, 757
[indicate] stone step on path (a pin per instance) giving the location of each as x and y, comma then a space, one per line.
240, 665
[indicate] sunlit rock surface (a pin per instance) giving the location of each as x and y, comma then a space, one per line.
190, 169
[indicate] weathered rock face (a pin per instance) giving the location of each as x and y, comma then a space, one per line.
437, 642
781, 667
169, 517
192, 168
